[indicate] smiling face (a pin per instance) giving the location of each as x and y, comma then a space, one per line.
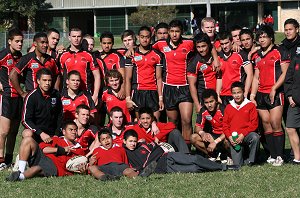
106, 141
41, 45
53, 39
114, 83
290, 31
145, 120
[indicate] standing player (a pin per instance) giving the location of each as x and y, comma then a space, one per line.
291, 43
143, 72
82, 61
248, 42
129, 41
90, 41
235, 67
208, 27
162, 31
10, 100
200, 72
31, 63
267, 90
235, 34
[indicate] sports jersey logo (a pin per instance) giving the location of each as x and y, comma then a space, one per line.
53, 101
257, 60
66, 102
34, 65
83, 59
153, 59
203, 67
166, 49
109, 98
184, 51
68, 60
272, 58
138, 58
298, 50
9, 62
234, 62
208, 117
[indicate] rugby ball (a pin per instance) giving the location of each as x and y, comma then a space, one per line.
75, 163
166, 147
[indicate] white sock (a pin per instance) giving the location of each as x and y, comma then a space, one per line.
22, 165
21, 177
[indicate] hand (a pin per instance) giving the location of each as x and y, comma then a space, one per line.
198, 107
93, 159
129, 53
24, 94
45, 137
154, 128
156, 140
211, 147
216, 65
220, 100
240, 139
81, 168
233, 143
121, 94
207, 137
130, 104
68, 149
291, 101
95, 99
60, 49
1, 87
272, 95
142, 140
236, 47
253, 101
161, 105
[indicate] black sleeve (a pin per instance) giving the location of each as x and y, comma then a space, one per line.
24, 62
289, 78
192, 65
199, 115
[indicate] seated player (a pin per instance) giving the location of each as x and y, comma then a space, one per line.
109, 161
208, 136
74, 96
48, 159
152, 157
110, 98
167, 131
241, 116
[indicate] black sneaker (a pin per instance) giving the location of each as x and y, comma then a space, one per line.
14, 176
233, 167
108, 177
148, 170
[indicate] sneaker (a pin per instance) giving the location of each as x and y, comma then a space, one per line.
213, 159
270, 160
278, 161
229, 161
224, 161
295, 162
16, 165
108, 177
233, 167
148, 170
3, 166
14, 176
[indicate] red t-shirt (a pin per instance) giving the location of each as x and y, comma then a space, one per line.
114, 154
87, 136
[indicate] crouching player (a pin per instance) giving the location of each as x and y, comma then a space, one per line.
241, 116
151, 157
48, 159
208, 136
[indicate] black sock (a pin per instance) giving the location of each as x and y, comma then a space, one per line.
270, 144
8, 158
279, 143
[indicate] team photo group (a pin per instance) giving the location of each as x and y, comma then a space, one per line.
114, 112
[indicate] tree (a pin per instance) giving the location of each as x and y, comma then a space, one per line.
152, 15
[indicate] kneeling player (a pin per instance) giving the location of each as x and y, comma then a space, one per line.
209, 118
48, 159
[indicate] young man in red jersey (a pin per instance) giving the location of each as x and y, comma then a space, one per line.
143, 73
241, 116
10, 101
48, 159
235, 67
208, 135
208, 26
74, 96
109, 161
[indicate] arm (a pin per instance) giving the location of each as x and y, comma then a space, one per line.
192, 80
97, 83
249, 71
216, 65
218, 89
128, 73
14, 77
121, 93
158, 74
288, 83
254, 86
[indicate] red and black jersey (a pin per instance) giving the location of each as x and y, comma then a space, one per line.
7, 63
115, 154
29, 65
122, 51
232, 69
144, 69
81, 61
215, 120
176, 59
117, 138
204, 73
87, 136
69, 104
61, 160
111, 101
269, 67
112, 60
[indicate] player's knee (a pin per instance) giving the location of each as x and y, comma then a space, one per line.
27, 133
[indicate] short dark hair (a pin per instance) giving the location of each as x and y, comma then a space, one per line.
238, 84
266, 29
52, 30
113, 74
248, 32
161, 25
208, 93
14, 32
235, 27
67, 123
292, 21
103, 131
115, 109
75, 29
176, 23
128, 33
73, 72
129, 133
82, 106
144, 28
202, 37
43, 71
225, 35
107, 34
146, 110
40, 35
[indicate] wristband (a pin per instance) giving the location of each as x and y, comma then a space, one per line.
253, 95
160, 97
60, 151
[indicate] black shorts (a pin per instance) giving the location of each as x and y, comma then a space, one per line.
115, 169
11, 107
264, 103
145, 98
173, 95
226, 99
47, 165
293, 117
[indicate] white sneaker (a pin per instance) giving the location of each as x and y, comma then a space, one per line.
212, 159
270, 160
278, 161
3, 166
229, 161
